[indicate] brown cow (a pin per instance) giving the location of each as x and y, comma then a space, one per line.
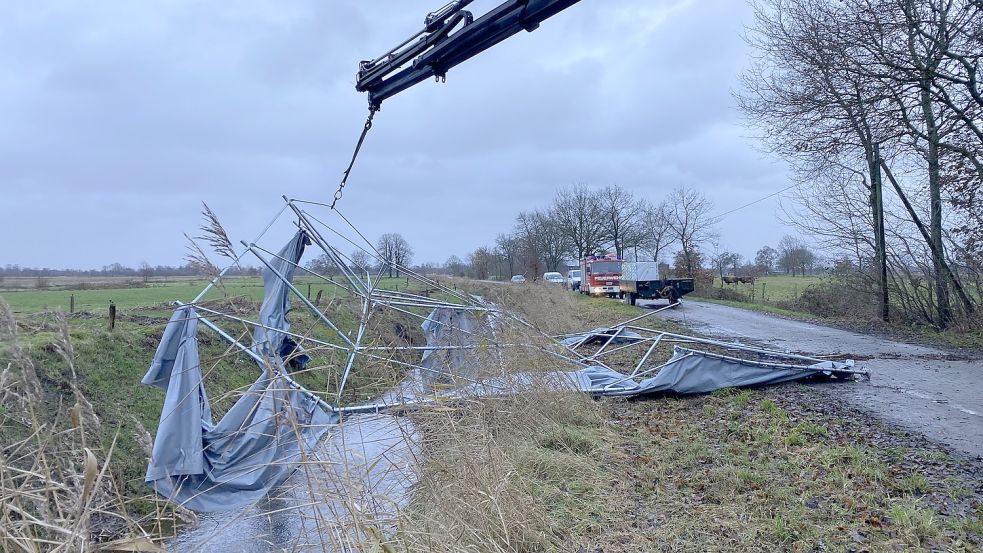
738, 280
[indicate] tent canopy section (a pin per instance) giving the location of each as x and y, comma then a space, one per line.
206, 466
691, 371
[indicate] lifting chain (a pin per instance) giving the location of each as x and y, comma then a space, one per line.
358, 146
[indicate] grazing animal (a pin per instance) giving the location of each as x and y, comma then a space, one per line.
738, 280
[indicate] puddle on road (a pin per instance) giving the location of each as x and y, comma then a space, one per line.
366, 465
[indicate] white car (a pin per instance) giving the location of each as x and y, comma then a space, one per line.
518, 278
573, 279
554, 278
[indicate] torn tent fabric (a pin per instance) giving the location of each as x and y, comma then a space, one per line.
268, 339
186, 414
210, 467
687, 372
696, 372
452, 328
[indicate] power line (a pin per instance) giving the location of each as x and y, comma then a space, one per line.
773, 194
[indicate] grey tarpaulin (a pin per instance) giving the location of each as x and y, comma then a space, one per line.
451, 328
687, 372
186, 414
276, 298
209, 467
695, 372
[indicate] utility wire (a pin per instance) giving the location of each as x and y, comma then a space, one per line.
773, 194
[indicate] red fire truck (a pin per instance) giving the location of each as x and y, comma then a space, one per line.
600, 276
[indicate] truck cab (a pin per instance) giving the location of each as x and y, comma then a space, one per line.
600, 276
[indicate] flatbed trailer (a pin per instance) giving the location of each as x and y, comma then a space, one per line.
641, 280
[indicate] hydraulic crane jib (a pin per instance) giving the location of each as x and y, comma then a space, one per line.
437, 47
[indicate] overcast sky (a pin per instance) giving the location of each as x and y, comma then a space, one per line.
120, 118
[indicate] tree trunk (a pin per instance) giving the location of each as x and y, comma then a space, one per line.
943, 310
956, 284
880, 250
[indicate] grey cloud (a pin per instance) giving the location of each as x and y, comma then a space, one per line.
134, 113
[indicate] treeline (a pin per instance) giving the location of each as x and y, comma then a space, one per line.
679, 232
144, 270
583, 220
792, 257
878, 105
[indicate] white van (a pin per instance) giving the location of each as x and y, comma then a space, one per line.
555, 278
573, 279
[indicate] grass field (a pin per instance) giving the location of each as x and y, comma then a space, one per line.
772, 288
778, 295
97, 300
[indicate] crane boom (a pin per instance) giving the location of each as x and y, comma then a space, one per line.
438, 47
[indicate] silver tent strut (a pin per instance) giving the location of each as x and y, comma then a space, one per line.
262, 362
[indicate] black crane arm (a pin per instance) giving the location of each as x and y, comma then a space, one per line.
438, 47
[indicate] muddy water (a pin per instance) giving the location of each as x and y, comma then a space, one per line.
936, 393
366, 466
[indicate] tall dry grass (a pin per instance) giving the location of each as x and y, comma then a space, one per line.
523, 471
516, 473
57, 492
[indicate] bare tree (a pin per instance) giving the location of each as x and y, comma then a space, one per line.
507, 247
578, 214
146, 271
542, 240
787, 247
691, 223
395, 251
765, 259
480, 261
795, 256
361, 261
623, 215
860, 90
322, 264
656, 231
725, 261
455, 267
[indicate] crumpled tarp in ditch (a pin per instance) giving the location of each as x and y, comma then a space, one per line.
451, 328
687, 372
267, 342
209, 467
695, 372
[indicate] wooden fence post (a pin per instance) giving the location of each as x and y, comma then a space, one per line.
71, 304
308, 290
112, 315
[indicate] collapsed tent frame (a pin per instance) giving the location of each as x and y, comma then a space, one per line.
370, 295
589, 371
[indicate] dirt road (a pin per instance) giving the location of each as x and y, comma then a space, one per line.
936, 393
